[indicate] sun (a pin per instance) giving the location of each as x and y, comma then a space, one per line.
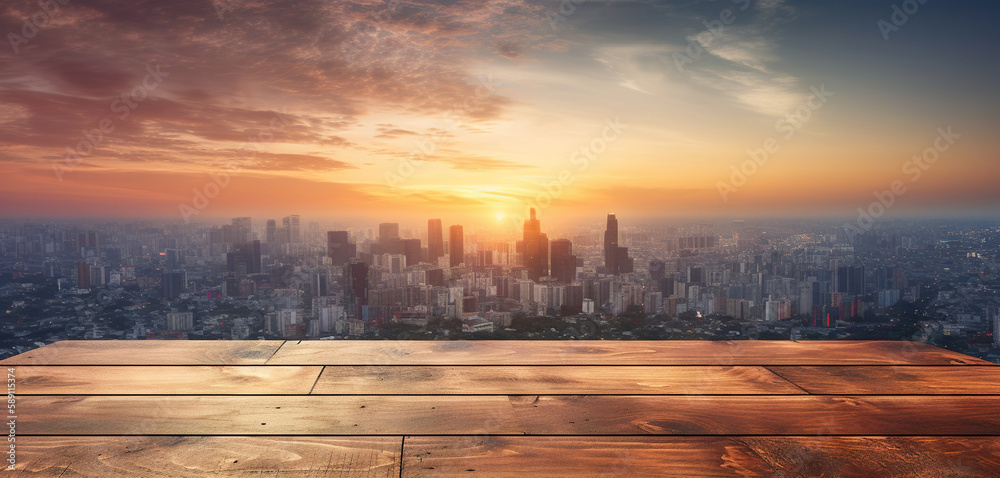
499, 216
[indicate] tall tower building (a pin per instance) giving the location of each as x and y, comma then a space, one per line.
616, 259
241, 231
294, 233
456, 245
411, 249
535, 252
357, 279
83, 275
271, 236
388, 231
338, 248
563, 261
435, 241
611, 245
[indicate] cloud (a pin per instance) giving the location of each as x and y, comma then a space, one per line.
296, 162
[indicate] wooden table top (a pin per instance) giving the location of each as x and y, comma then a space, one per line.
503, 408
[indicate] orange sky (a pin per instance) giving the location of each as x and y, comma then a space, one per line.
475, 109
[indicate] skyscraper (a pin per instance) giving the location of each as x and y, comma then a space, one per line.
435, 241
563, 261
272, 231
338, 248
616, 259
294, 233
357, 279
611, 245
388, 239
245, 259
411, 249
83, 275
242, 229
387, 231
535, 256
456, 245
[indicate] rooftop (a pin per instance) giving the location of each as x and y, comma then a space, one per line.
504, 408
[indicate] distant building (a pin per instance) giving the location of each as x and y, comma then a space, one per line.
563, 261
456, 246
435, 241
616, 259
340, 250
180, 321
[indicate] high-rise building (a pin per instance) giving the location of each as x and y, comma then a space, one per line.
241, 226
357, 280
563, 261
173, 284
272, 231
388, 231
339, 248
294, 232
245, 259
456, 246
83, 275
611, 245
435, 241
411, 249
535, 249
616, 259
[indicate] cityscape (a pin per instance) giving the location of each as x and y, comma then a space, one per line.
610, 279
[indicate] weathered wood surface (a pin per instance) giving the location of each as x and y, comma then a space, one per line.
599, 352
549, 380
166, 380
513, 415
895, 380
504, 408
195, 456
149, 352
701, 456
264, 415
759, 415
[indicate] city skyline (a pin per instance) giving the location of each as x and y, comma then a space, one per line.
479, 110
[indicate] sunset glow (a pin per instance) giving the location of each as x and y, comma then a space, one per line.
467, 108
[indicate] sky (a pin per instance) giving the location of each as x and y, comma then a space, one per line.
191, 110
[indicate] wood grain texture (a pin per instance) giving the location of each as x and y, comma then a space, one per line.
166, 380
149, 352
514, 415
701, 456
193, 456
759, 415
897, 380
543, 380
599, 352
264, 415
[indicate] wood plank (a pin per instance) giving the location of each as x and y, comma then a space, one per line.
514, 415
149, 352
897, 380
759, 415
546, 380
600, 352
167, 380
195, 456
264, 415
701, 456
